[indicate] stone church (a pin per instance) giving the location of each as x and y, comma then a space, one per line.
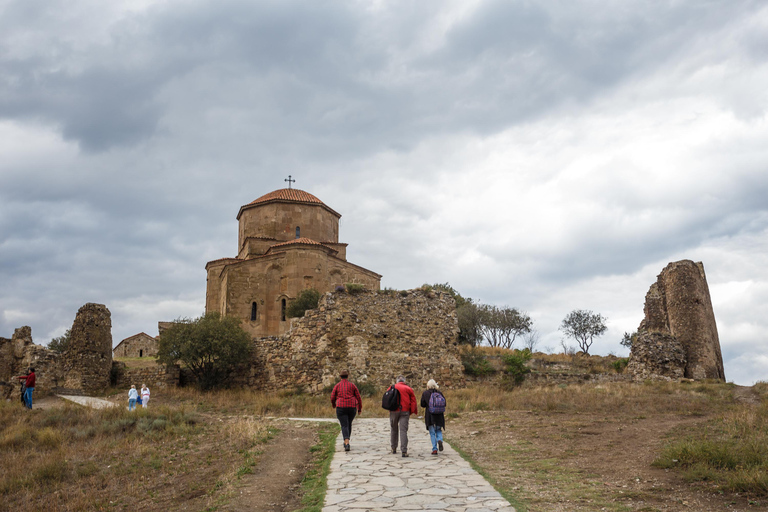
288, 241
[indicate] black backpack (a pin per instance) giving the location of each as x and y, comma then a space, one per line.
391, 399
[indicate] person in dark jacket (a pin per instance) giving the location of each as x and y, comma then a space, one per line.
29, 381
346, 399
435, 421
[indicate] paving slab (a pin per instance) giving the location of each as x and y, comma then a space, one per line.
371, 478
89, 401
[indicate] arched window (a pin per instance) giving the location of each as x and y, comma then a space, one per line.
298, 232
282, 310
254, 311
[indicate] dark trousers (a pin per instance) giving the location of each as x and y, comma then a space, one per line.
345, 416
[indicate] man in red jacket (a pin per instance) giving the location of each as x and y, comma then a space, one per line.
29, 379
398, 420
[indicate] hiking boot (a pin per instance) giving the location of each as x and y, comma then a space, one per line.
405, 454
394, 450
346, 447
440, 445
434, 452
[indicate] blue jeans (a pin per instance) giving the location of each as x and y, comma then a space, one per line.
435, 434
28, 397
131, 404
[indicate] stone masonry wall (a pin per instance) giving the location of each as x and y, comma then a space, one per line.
678, 305
20, 353
88, 359
155, 376
376, 336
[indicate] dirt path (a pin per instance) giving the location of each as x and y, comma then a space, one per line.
274, 484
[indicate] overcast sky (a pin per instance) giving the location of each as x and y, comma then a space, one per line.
547, 155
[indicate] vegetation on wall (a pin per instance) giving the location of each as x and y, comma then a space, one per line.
307, 299
60, 343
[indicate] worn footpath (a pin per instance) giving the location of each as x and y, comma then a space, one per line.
370, 477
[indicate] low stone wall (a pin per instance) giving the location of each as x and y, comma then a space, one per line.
155, 376
376, 336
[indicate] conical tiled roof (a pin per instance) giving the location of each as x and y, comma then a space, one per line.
291, 195
288, 194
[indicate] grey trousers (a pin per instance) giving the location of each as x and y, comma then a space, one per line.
398, 422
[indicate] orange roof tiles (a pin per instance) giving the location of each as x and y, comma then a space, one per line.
306, 241
288, 194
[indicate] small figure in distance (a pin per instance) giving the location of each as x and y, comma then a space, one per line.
133, 395
434, 414
346, 399
29, 383
144, 396
398, 420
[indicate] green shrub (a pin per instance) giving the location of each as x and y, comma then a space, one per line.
354, 288
515, 369
367, 389
307, 299
476, 364
620, 364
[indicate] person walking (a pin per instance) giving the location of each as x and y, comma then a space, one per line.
144, 396
133, 395
434, 414
346, 399
398, 420
29, 383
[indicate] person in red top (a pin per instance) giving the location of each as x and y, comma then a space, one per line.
29, 379
346, 399
398, 420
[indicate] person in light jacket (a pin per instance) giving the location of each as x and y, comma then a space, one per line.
133, 395
435, 421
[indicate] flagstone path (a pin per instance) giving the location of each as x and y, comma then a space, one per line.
371, 478
88, 401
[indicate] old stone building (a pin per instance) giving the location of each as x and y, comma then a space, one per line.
678, 336
138, 345
288, 241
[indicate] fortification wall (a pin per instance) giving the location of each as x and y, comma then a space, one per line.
88, 358
376, 336
154, 376
678, 305
19, 353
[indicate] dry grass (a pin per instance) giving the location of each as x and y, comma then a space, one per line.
161, 458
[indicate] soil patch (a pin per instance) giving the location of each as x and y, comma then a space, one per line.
275, 482
584, 462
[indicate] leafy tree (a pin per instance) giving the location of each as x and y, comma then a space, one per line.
211, 346
307, 299
469, 324
628, 339
61, 343
583, 326
447, 288
501, 326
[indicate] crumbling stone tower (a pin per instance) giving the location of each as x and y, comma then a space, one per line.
88, 359
678, 305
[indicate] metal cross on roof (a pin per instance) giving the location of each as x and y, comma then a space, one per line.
289, 180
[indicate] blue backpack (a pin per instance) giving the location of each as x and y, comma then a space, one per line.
436, 403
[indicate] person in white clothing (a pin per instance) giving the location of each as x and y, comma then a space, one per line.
144, 395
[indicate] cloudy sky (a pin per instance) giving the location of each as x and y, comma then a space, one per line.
548, 155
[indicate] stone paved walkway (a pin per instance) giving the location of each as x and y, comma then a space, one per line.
88, 401
371, 478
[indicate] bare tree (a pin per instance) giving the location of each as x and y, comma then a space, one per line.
531, 340
583, 326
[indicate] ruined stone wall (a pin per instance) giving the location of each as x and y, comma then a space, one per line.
656, 356
155, 376
88, 358
19, 353
678, 305
376, 336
